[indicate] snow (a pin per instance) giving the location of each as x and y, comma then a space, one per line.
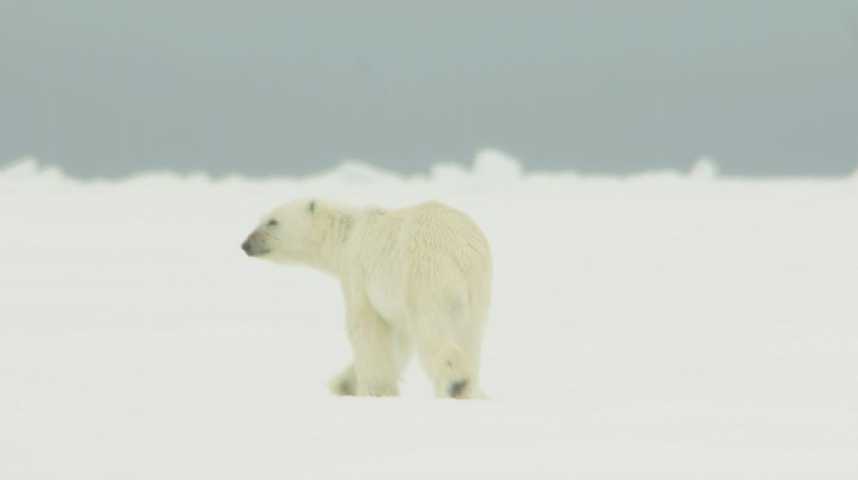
654, 326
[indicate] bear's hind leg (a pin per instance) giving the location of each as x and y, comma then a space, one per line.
450, 356
454, 373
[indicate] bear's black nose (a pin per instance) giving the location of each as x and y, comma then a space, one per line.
246, 246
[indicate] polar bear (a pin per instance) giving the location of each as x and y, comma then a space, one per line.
413, 278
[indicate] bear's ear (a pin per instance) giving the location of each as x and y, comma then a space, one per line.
311, 207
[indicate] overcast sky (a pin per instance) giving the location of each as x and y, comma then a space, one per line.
107, 88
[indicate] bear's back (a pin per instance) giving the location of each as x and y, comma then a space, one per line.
440, 240
421, 256
442, 229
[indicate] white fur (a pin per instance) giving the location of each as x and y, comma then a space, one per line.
416, 278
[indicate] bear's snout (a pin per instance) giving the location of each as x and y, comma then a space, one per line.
254, 245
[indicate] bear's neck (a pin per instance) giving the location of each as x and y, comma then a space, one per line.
332, 255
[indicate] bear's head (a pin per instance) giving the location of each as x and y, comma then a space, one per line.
301, 231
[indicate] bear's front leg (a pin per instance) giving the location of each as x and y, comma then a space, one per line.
376, 371
344, 384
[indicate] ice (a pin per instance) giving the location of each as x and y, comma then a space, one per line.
496, 166
705, 168
649, 327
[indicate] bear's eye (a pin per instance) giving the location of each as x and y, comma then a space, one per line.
272, 223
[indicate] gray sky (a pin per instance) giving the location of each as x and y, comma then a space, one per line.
106, 88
